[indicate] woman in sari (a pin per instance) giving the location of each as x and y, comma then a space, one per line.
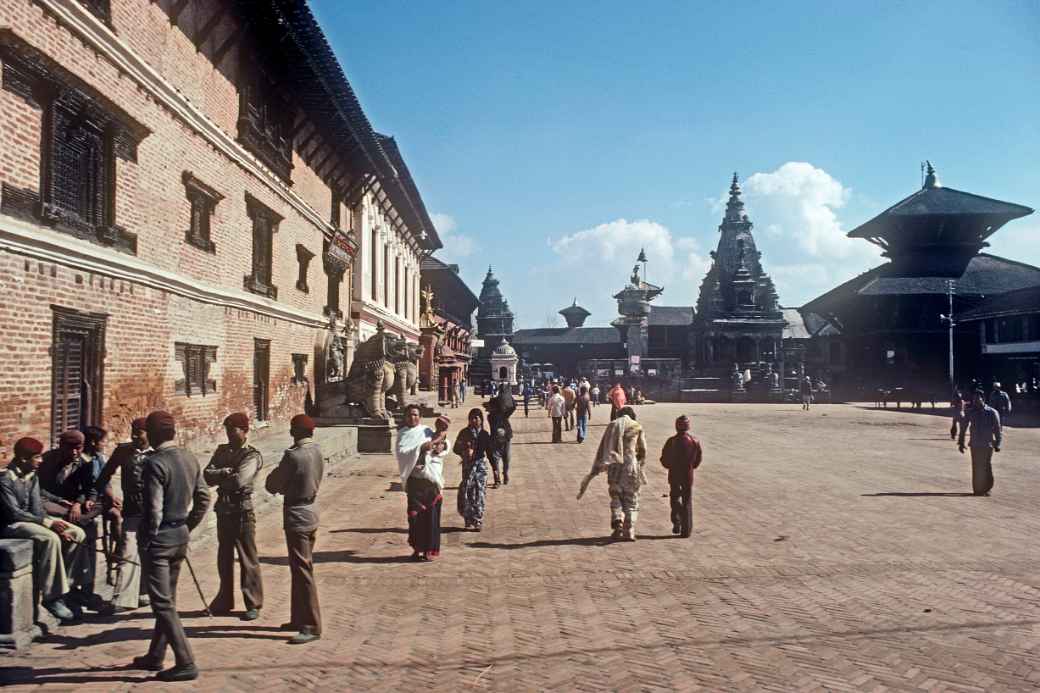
420, 460
473, 445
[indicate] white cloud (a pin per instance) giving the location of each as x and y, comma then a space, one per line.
595, 263
797, 209
456, 245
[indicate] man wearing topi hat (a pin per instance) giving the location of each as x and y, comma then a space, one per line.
233, 471
297, 478
175, 501
22, 517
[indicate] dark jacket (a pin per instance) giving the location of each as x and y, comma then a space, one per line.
500, 408
680, 456
20, 497
175, 496
233, 471
298, 477
77, 486
481, 443
984, 423
129, 462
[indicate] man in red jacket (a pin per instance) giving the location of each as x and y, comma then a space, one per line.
680, 456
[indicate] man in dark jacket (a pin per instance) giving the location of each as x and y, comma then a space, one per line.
297, 478
69, 493
175, 501
22, 517
233, 470
680, 456
986, 436
128, 459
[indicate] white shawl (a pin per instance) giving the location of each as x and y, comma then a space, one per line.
611, 450
409, 442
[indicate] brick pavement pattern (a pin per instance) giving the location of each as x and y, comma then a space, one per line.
836, 549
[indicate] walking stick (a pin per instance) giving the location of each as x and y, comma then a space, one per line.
205, 604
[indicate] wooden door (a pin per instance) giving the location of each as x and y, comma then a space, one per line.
261, 377
77, 370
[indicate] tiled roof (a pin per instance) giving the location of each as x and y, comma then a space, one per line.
795, 327
1011, 303
567, 335
941, 201
671, 316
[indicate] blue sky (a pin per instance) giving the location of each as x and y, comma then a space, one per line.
553, 139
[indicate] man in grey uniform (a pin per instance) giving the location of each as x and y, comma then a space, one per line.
175, 501
298, 477
984, 422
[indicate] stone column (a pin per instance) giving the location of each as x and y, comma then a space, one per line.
16, 593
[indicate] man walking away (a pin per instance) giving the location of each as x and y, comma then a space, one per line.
1001, 401
527, 398
569, 395
958, 407
128, 459
233, 471
557, 406
175, 501
806, 392
583, 406
462, 391
984, 423
617, 398
680, 456
298, 477
595, 395
22, 517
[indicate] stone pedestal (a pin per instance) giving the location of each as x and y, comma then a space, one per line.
16, 593
376, 438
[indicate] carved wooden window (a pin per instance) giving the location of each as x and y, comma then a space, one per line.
82, 135
264, 123
335, 218
265, 225
203, 201
195, 361
303, 256
299, 365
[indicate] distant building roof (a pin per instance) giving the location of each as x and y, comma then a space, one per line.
1011, 303
567, 335
671, 316
940, 201
795, 327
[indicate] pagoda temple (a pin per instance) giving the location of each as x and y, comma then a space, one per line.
893, 318
494, 324
738, 318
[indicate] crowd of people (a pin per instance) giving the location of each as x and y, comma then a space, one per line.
422, 453
64, 498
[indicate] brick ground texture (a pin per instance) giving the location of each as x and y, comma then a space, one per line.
836, 549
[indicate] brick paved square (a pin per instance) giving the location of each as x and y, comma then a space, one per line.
833, 550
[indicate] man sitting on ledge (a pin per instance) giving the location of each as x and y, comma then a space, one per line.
22, 517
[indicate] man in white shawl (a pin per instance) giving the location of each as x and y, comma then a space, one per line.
420, 460
622, 453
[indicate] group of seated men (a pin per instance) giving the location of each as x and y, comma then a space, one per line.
56, 499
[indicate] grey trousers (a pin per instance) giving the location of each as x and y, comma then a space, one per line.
131, 584
162, 569
49, 578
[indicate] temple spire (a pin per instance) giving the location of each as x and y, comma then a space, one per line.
931, 179
735, 206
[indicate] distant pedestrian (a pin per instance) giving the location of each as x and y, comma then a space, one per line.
595, 395
569, 395
473, 445
617, 398
958, 407
527, 398
500, 409
680, 456
1001, 401
462, 391
622, 454
420, 460
298, 477
984, 423
557, 406
583, 409
806, 391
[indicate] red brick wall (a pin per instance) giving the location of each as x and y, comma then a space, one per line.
144, 322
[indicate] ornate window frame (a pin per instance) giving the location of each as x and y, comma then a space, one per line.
195, 360
203, 200
265, 224
304, 257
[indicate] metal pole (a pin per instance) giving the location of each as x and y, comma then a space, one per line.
949, 292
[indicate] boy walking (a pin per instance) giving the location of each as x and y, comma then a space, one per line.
680, 456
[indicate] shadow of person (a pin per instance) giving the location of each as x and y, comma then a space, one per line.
916, 494
10, 676
232, 630
370, 530
538, 543
106, 637
345, 556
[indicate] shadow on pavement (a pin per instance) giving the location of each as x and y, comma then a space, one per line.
370, 530
346, 556
913, 494
578, 541
10, 676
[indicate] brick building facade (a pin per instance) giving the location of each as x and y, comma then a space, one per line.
179, 209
